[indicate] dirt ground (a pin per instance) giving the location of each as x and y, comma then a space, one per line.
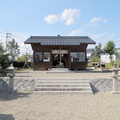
78, 74
28, 106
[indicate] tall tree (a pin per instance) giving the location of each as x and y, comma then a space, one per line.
1, 48
97, 50
110, 48
24, 58
4, 60
13, 49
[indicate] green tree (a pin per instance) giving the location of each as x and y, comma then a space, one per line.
110, 48
4, 60
94, 59
1, 48
13, 49
24, 58
97, 50
1, 45
21, 58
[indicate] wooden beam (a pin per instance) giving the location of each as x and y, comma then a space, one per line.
69, 60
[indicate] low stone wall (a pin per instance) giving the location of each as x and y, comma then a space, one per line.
22, 84
101, 84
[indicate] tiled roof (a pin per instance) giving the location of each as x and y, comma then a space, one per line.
59, 40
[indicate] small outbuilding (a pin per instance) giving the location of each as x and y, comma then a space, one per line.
59, 51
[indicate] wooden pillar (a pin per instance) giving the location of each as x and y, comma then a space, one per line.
60, 55
86, 60
69, 59
51, 58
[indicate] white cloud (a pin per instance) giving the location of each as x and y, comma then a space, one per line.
70, 21
112, 35
95, 20
51, 18
97, 36
76, 32
104, 20
70, 15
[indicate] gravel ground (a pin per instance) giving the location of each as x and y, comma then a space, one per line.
80, 74
27, 106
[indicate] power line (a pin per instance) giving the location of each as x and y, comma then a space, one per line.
117, 41
13, 35
7, 38
2, 33
19, 37
2, 36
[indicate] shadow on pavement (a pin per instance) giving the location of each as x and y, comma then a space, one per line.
94, 89
5, 96
6, 117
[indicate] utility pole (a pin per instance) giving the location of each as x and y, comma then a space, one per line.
7, 38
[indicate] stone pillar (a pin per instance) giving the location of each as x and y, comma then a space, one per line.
115, 80
11, 78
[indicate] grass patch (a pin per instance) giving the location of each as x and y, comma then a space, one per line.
90, 65
108, 66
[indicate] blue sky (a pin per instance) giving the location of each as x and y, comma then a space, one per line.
98, 19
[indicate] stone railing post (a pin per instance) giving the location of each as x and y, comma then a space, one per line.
11, 78
115, 80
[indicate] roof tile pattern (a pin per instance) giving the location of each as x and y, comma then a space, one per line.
59, 40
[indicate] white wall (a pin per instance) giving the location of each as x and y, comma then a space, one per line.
106, 58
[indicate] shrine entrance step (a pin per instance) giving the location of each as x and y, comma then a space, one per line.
59, 70
63, 85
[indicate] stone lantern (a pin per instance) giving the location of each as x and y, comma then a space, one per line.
115, 80
11, 78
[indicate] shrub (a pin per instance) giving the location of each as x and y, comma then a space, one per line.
94, 59
118, 64
89, 65
108, 66
21, 64
112, 62
4, 61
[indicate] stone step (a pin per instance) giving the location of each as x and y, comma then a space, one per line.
62, 85
62, 89
59, 70
61, 80
63, 92
48, 80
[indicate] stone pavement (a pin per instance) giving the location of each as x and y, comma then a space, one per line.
25, 80
77, 74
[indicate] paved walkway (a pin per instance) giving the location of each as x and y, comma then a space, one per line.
76, 74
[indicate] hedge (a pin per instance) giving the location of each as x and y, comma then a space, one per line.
21, 64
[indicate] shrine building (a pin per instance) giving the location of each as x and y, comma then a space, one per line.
59, 51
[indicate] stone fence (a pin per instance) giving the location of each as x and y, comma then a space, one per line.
22, 84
